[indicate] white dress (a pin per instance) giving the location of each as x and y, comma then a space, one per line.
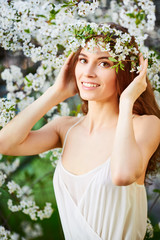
91, 207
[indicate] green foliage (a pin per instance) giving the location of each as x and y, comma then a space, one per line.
112, 59
139, 16
60, 49
36, 173
156, 190
68, 4
76, 111
53, 13
27, 30
29, 82
85, 33
118, 65
40, 15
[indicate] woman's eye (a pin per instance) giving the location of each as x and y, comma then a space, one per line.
82, 60
104, 64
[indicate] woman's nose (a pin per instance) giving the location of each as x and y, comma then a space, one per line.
90, 71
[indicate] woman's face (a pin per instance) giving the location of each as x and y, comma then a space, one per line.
96, 81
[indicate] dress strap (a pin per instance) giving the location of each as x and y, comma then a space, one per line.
68, 133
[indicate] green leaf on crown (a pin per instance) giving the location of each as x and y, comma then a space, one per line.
112, 59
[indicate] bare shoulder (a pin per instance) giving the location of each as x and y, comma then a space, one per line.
150, 119
64, 123
148, 126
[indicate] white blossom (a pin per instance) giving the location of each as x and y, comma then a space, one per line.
31, 26
149, 230
7, 111
31, 230
85, 8
6, 234
139, 68
9, 167
2, 178
14, 187
64, 109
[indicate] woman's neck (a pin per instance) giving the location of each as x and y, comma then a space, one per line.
101, 115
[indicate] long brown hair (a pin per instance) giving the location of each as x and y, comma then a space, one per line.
144, 105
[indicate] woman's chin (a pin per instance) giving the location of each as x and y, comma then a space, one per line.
87, 97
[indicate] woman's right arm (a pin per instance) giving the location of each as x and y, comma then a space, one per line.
16, 138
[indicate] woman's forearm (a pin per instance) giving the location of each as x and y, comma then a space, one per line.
19, 127
126, 161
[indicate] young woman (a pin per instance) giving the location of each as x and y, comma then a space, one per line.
99, 180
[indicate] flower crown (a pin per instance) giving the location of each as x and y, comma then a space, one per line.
119, 44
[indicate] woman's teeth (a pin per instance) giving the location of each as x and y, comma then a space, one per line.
90, 84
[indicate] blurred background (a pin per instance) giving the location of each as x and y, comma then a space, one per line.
33, 167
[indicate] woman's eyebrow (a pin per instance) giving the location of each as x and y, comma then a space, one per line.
81, 54
103, 57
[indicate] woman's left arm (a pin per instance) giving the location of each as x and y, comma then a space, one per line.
133, 149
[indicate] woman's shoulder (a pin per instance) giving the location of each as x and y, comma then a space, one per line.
145, 117
149, 120
147, 125
65, 122
68, 120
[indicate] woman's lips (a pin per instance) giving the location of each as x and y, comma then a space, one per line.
90, 85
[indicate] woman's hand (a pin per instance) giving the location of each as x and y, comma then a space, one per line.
66, 81
138, 85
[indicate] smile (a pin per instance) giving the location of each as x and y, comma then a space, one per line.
90, 85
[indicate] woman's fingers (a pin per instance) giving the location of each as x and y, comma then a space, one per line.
144, 64
143, 72
142, 61
66, 64
69, 58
